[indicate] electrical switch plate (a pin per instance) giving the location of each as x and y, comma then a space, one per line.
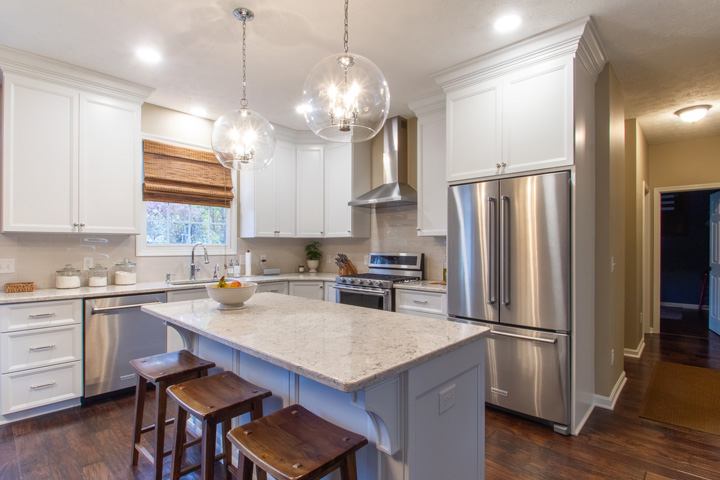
263, 258
7, 265
446, 398
88, 263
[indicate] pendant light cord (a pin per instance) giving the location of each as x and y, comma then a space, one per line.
346, 26
244, 102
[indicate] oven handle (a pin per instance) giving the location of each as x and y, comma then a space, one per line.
374, 293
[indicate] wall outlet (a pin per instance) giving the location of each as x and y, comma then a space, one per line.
263, 258
446, 398
7, 265
88, 263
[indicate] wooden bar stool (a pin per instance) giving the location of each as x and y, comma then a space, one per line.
216, 399
162, 370
295, 444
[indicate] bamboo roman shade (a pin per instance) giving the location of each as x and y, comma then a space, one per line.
184, 175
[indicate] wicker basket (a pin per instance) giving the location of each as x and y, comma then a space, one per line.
19, 287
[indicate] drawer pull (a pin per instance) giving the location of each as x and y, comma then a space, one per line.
42, 315
35, 387
420, 301
46, 347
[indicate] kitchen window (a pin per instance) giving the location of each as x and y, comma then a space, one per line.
187, 198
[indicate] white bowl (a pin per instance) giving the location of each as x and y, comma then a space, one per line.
231, 298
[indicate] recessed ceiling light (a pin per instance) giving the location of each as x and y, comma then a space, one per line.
148, 55
508, 23
694, 113
198, 112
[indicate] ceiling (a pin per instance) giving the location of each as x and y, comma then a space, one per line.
666, 53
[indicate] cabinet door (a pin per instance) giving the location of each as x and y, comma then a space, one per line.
273, 287
330, 293
432, 194
40, 151
338, 190
266, 200
285, 160
474, 131
310, 216
109, 166
313, 290
538, 117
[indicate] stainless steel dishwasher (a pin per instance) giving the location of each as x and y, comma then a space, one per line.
116, 331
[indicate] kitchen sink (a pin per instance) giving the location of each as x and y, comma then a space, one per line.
198, 281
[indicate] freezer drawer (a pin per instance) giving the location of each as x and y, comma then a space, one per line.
528, 372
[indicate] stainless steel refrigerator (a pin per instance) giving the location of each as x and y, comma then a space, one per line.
509, 268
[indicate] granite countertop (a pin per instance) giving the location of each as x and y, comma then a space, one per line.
423, 285
147, 287
345, 347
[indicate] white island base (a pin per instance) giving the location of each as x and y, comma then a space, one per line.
427, 423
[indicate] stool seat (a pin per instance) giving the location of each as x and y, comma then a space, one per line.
162, 367
295, 444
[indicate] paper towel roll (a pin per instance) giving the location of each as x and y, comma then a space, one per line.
248, 263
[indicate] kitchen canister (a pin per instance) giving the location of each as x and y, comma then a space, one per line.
125, 273
68, 277
97, 276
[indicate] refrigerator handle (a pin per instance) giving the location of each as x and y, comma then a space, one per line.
504, 249
492, 260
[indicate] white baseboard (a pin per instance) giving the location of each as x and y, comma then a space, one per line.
688, 306
582, 422
608, 403
637, 351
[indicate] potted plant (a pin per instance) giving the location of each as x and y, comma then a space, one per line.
313, 255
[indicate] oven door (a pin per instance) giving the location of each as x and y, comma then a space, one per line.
377, 298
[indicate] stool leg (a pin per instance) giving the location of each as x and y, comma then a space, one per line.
207, 469
257, 412
247, 468
227, 447
161, 397
348, 468
139, 411
180, 424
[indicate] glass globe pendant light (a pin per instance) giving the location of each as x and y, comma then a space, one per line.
346, 97
243, 139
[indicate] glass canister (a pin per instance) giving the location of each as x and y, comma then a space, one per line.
97, 276
68, 277
125, 273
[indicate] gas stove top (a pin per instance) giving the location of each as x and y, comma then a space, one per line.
376, 280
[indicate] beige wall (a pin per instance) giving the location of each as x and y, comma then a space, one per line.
636, 171
38, 256
609, 230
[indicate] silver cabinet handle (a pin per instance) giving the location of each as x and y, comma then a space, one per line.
45, 385
492, 259
505, 233
46, 347
524, 337
76, 224
503, 164
420, 301
121, 307
82, 224
42, 315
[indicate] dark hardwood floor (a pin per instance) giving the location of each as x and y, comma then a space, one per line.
93, 442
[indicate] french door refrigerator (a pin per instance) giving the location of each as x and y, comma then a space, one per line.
509, 268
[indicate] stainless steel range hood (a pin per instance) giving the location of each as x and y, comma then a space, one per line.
395, 191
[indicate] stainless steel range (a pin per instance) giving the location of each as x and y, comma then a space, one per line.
375, 288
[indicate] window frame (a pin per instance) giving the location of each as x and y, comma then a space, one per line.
142, 249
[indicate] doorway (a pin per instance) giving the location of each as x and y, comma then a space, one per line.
684, 246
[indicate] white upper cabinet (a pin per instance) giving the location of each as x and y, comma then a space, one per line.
431, 152
513, 110
71, 159
267, 197
310, 195
347, 176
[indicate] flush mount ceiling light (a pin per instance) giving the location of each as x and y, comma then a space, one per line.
346, 97
508, 23
243, 139
148, 55
694, 113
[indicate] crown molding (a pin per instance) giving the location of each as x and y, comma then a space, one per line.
431, 105
578, 37
27, 64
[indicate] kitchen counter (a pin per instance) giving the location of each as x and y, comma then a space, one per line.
344, 347
147, 287
423, 286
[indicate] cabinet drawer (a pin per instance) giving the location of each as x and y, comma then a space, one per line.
425, 302
23, 316
40, 386
273, 287
40, 347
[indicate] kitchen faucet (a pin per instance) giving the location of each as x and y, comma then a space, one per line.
193, 268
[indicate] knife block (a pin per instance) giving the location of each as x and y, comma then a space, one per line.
348, 270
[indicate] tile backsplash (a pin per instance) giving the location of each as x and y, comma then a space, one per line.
38, 256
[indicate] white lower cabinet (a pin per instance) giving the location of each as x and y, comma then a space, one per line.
41, 358
308, 289
273, 287
330, 292
421, 303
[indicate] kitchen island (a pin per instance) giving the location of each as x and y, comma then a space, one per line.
413, 386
